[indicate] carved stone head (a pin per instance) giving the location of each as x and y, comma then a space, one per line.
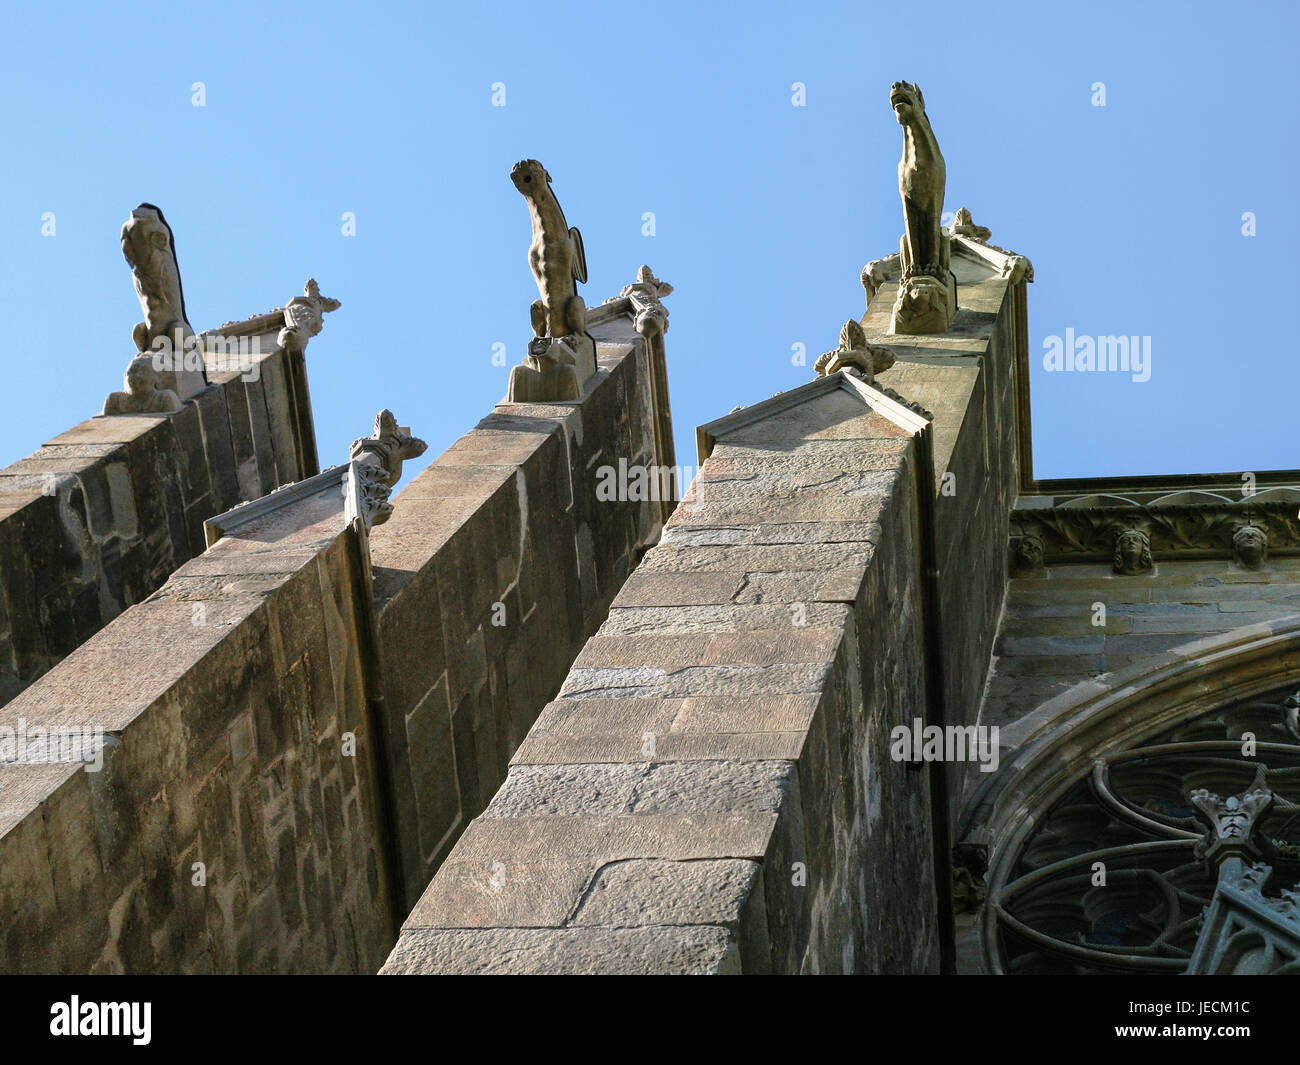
141, 375
529, 176
1132, 552
907, 102
1027, 553
1250, 546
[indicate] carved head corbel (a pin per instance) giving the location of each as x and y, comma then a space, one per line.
1132, 554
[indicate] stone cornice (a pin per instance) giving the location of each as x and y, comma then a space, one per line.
1185, 524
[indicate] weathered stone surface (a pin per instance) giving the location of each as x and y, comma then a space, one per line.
495, 567
717, 758
110, 508
225, 712
566, 951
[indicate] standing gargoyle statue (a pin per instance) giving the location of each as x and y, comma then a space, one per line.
561, 356
165, 333
927, 292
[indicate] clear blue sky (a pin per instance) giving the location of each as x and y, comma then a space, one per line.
765, 212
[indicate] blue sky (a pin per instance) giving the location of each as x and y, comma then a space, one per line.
764, 212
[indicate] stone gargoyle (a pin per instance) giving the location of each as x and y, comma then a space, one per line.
150, 248
561, 356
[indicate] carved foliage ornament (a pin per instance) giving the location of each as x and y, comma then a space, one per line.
376, 465
1246, 530
854, 353
304, 317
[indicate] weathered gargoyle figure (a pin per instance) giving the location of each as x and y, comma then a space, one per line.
378, 459
854, 352
304, 317
560, 317
150, 249
1249, 546
143, 393
1132, 552
927, 295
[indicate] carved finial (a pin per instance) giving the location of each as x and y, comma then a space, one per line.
1249, 546
304, 317
651, 316
1132, 554
561, 356
143, 392
376, 462
854, 352
964, 226
927, 296
150, 248
1232, 820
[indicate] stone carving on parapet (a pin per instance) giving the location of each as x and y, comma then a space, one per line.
927, 293
1132, 554
142, 391
304, 317
644, 294
878, 271
1249, 546
562, 355
150, 248
854, 352
1015, 268
1232, 820
376, 465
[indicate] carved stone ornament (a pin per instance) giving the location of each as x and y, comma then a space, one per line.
143, 392
645, 293
150, 248
1132, 553
964, 226
304, 317
854, 353
376, 465
877, 272
1189, 524
1231, 820
1026, 554
1249, 546
559, 317
927, 294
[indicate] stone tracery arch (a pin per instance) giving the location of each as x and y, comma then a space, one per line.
1102, 773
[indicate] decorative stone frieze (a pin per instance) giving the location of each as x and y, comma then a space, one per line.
1183, 524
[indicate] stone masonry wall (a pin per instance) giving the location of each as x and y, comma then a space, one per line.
966, 379
1048, 641
227, 698
101, 515
497, 565
712, 791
